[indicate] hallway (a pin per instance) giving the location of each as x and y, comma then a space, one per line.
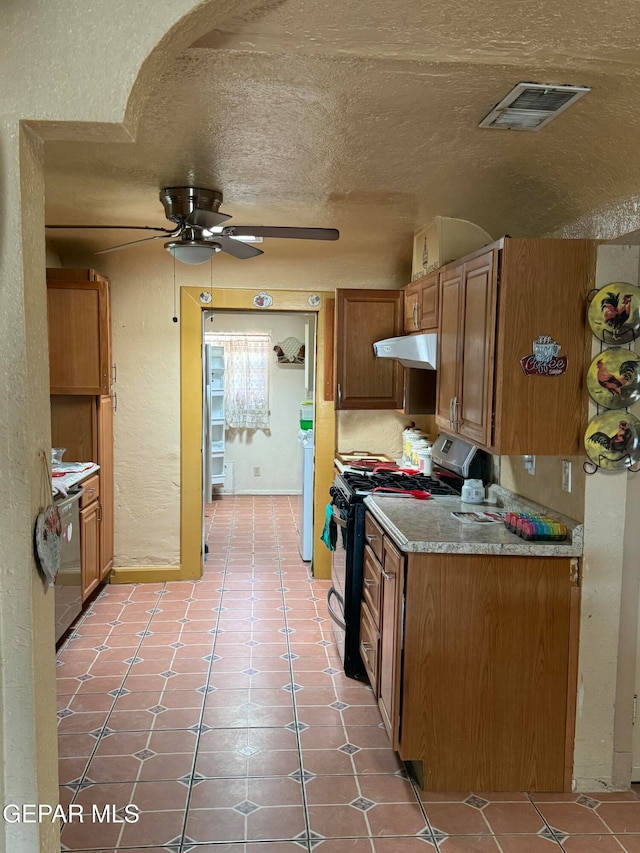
219, 709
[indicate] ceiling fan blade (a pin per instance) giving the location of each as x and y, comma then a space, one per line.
206, 218
236, 247
116, 228
276, 231
132, 243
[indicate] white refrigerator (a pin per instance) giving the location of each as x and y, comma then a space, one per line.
305, 507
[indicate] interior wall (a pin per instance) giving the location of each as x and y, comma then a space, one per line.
378, 431
275, 452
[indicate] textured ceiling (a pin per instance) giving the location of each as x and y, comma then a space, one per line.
364, 117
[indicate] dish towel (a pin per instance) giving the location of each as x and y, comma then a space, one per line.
330, 529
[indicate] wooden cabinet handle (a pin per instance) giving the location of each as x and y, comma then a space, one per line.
370, 537
366, 648
367, 582
388, 576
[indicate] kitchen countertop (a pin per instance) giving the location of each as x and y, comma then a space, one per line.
428, 526
61, 485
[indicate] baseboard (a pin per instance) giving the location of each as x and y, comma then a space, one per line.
145, 574
250, 492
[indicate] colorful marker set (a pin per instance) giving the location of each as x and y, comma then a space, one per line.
535, 527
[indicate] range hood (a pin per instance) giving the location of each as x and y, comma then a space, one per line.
410, 350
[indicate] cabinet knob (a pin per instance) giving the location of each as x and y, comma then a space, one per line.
388, 576
370, 537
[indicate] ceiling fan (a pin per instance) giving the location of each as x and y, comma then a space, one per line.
198, 233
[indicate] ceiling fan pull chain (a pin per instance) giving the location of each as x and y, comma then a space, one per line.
175, 312
210, 282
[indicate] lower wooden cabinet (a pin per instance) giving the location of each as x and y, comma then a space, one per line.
90, 548
390, 654
473, 659
381, 623
489, 671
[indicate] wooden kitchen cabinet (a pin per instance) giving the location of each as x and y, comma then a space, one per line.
390, 651
466, 348
381, 622
494, 305
421, 304
79, 332
82, 402
488, 681
90, 541
363, 381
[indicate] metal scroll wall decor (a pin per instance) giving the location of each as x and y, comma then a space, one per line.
612, 437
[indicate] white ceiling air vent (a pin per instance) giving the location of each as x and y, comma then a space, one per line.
529, 106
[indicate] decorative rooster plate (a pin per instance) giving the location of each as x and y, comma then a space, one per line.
612, 440
614, 313
613, 378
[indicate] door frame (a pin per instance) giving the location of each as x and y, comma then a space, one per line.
193, 301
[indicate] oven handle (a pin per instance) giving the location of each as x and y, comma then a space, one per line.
332, 613
339, 520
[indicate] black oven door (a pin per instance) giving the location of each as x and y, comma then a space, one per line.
343, 597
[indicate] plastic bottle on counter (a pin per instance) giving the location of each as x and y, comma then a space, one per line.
425, 460
419, 443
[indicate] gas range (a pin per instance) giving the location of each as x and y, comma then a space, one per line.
356, 485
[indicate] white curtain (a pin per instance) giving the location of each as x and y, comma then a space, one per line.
246, 378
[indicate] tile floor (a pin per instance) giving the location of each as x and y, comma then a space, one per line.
220, 710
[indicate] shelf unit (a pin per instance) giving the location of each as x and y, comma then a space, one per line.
216, 414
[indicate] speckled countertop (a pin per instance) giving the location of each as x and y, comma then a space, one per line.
428, 526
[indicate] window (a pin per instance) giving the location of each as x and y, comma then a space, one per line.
246, 378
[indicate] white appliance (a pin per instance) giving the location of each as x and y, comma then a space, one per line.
305, 508
212, 419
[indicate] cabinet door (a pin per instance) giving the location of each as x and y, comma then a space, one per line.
90, 548
362, 380
389, 664
105, 460
79, 336
371, 577
412, 308
448, 346
369, 644
473, 404
489, 671
429, 293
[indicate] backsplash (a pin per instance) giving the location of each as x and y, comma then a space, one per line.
377, 432
545, 486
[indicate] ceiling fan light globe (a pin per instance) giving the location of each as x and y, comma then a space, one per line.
191, 252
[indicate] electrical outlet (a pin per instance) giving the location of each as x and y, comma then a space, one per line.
529, 464
256, 470
566, 475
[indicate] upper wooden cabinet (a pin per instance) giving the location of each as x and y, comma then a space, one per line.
79, 332
421, 304
363, 381
497, 307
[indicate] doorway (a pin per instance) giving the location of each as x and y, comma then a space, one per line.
268, 361
192, 303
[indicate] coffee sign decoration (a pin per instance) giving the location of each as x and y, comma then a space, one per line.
545, 360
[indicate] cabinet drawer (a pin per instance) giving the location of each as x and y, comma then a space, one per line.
369, 646
91, 488
371, 584
373, 535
